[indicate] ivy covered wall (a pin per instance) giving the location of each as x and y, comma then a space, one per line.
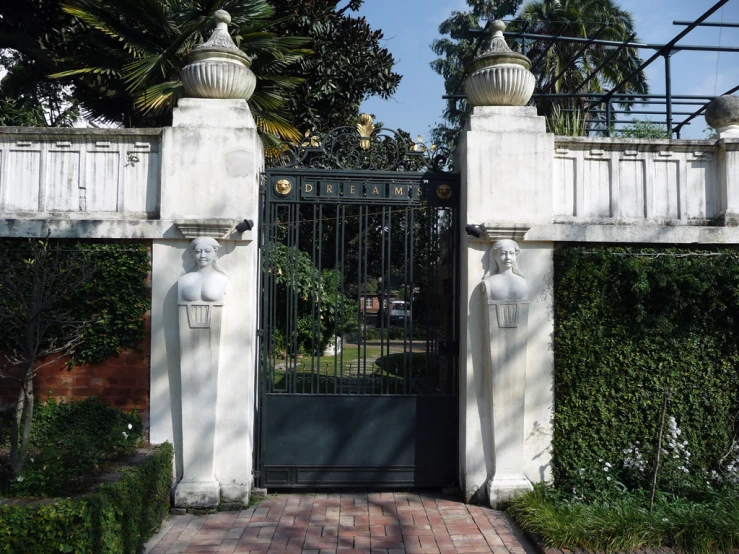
112, 360
635, 330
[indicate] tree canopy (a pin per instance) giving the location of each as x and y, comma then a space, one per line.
553, 70
119, 60
349, 63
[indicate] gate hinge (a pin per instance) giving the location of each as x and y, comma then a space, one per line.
256, 474
260, 333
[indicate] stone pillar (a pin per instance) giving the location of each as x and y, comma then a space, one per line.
505, 158
211, 160
723, 115
200, 337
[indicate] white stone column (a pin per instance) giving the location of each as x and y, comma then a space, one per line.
200, 337
505, 158
211, 161
728, 168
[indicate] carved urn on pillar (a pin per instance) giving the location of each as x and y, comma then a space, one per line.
506, 295
499, 76
723, 115
217, 68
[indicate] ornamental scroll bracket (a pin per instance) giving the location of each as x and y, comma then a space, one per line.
364, 146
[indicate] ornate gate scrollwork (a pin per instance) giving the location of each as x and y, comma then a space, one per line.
365, 147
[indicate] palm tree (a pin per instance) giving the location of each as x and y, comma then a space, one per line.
581, 19
126, 55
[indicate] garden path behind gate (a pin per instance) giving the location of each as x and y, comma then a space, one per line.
343, 523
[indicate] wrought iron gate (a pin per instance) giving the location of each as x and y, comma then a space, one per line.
358, 361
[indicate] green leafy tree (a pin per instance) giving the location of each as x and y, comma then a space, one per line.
581, 19
125, 57
29, 32
121, 59
575, 18
349, 64
457, 49
322, 311
51, 308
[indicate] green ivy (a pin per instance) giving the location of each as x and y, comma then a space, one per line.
631, 326
114, 300
116, 519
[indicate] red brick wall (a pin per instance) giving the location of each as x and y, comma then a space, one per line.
123, 381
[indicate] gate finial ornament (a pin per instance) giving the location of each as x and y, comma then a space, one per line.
365, 128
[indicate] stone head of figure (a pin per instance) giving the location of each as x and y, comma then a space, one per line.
204, 251
505, 254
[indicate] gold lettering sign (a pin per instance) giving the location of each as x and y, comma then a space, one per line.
420, 190
352, 189
329, 189
375, 190
398, 191
308, 187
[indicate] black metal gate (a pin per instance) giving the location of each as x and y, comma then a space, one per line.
358, 361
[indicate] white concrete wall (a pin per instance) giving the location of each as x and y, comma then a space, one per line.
79, 173
636, 181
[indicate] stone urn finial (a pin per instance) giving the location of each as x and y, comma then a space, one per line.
723, 115
499, 76
217, 68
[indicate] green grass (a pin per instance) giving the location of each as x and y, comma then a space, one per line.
624, 522
380, 364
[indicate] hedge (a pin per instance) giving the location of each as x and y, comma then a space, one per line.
115, 519
633, 326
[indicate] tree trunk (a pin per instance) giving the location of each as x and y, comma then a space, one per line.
27, 421
15, 430
23, 416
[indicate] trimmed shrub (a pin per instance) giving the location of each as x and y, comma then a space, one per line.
71, 439
115, 519
633, 326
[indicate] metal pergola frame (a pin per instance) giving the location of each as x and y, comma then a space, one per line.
600, 103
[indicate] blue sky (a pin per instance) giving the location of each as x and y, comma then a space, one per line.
410, 26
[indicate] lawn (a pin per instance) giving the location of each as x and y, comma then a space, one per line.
357, 368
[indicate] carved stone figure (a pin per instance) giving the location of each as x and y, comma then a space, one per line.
504, 281
200, 297
506, 296
208, 281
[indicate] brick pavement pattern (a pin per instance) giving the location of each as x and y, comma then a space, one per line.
374, 523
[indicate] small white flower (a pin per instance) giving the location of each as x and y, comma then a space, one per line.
125, 435
31, 460
665, 519
608, 465
605, 469
608, 478
131, 427
19, 478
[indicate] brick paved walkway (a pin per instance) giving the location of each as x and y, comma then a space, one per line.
375, 523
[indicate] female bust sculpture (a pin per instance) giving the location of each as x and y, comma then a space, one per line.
504, 281
208, 281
